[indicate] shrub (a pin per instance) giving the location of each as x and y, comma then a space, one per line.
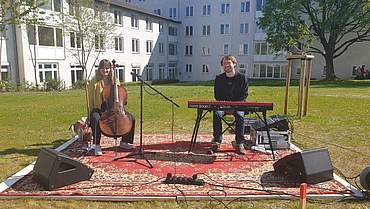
79, 84
7, 86
53, 85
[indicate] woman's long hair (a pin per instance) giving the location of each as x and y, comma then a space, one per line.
104, 63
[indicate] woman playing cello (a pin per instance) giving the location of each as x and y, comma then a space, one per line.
97, 106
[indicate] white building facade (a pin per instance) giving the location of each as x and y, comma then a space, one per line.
162, 39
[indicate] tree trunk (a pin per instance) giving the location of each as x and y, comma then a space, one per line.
329, 61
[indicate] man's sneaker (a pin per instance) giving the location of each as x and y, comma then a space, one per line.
239, 148
216, 141
126, 145
214, 148
97, 150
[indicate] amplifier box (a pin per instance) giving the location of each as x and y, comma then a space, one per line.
279, 139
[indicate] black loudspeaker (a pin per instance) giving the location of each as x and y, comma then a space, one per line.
365, 178
311, 166
54, 169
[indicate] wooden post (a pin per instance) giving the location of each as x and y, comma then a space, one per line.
308, 80
287, 84
302, 195
301, 87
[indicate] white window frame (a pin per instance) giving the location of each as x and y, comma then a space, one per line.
135, 46
149, 46
119, 44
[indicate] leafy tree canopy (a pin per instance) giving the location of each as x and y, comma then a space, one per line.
334, 24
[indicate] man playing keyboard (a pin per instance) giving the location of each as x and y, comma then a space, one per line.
230, 85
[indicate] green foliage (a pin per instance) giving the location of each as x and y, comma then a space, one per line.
336, 25
164, 81
285, 25
79, 84
54, 85
91, 22
7, 86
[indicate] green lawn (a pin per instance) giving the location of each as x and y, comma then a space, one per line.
338, 118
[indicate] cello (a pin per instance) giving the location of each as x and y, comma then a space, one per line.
114, 122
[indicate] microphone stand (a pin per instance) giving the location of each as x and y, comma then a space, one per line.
141, 152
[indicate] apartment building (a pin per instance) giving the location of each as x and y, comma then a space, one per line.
211, 28
141, 42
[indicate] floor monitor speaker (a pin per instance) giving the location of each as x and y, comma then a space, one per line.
311, 166
365, 178
54, 169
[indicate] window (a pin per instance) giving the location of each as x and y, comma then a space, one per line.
160, 27
75, 40
277, 72
226, 49
73, 8
206, 50
118, 44
135, 70
172, 49
245, 7
118, 17
4, 72
244, 27
46, 36
259, 5
48, 71
46, 5
99, 42
59, 37
189, 31
225, 8
76, 73
172, 71
160, 48
172, 13
135, 46
205, 68
149, 46
189, 50
172, 31
260, 48
188, 68
269, 71
243, 49
262, 70
149, 72
161, 71
50, 36
206, 30
149, 25
157, 11
134, 22
189, 11
206, 10
57, 5
120, 72
225, 29
243, 68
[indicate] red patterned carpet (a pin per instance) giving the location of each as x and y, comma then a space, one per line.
226, 174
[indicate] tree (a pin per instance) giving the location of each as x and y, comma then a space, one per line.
14, 12
335, 24
89, 24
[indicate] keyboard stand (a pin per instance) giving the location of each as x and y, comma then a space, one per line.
201, 115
